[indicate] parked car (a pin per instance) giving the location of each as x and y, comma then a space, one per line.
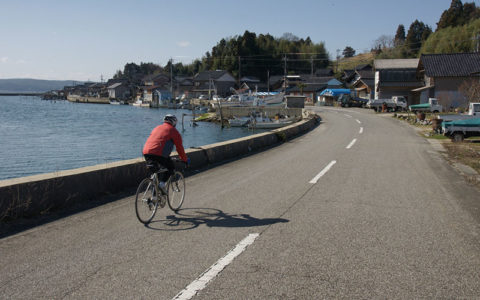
349, 101
203, 97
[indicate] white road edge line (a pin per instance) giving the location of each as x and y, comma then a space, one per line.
201, 282
323, 172
358, 121
361, 130
351, 143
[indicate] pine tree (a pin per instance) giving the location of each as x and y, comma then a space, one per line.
415, 37
348, 52
453, 16
400, 36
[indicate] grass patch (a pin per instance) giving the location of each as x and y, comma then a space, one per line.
466, 153
437, 136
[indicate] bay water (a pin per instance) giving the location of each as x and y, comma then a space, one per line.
42, 136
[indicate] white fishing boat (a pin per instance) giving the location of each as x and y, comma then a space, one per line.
264, 122
269, 124
140, 103
271, 98
239, 122
114, 102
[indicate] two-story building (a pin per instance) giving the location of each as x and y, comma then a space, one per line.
396, 77
211, 83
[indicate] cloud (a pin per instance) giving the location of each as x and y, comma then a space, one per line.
4, 60
183, 44
21, 61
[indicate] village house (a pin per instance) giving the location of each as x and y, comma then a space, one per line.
397, 77
157, 79
443, 75
183, 86
119, 91
211, 83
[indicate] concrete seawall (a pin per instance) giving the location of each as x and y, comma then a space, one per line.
38, 194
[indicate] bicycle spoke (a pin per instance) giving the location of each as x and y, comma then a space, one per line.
146, 202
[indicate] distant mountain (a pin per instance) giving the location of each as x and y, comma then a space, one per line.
33, 85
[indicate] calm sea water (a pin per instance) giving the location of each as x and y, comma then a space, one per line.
38, 136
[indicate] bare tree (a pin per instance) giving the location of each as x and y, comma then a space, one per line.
471, 89
383, 42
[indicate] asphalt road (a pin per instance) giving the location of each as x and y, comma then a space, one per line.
360, 207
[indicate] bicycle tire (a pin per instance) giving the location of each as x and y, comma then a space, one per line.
176, 190
145, 203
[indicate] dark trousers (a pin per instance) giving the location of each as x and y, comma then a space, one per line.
166, 162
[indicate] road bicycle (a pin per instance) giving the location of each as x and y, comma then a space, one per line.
150, 196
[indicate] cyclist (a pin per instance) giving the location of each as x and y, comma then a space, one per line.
160, 144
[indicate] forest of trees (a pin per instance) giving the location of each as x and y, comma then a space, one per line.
458, 30
262, 55
246, 55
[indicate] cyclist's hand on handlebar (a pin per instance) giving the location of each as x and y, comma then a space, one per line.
188, 162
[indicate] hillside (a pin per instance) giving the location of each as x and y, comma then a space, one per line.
32, 85
351, 62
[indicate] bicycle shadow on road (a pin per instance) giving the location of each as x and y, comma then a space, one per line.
191, 218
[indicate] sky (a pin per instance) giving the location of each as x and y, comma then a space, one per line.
92, 39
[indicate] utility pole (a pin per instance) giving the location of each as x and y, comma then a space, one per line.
338, 58
239, 70
171, 77
285, 72
477, 42
311, 65
268, 81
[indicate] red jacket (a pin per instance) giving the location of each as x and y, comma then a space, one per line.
161, 141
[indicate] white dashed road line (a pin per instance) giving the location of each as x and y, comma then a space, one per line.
323, 172
201, 282
351, 143
348, 116
358, 121
361, 130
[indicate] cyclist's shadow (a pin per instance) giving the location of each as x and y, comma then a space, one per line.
190, 218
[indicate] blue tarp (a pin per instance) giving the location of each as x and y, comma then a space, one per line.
463, 123
334, 92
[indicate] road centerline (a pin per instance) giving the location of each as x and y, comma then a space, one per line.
323, 172
351, 144
361, 130
358, 121
201, 282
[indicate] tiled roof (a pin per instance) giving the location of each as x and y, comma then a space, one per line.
207, 75
115, 85
411, 63
324, 72
309, 87
363, 67
450, 65
366, 74
396, 75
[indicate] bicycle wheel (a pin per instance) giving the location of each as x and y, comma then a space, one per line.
176, 190
146, 202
